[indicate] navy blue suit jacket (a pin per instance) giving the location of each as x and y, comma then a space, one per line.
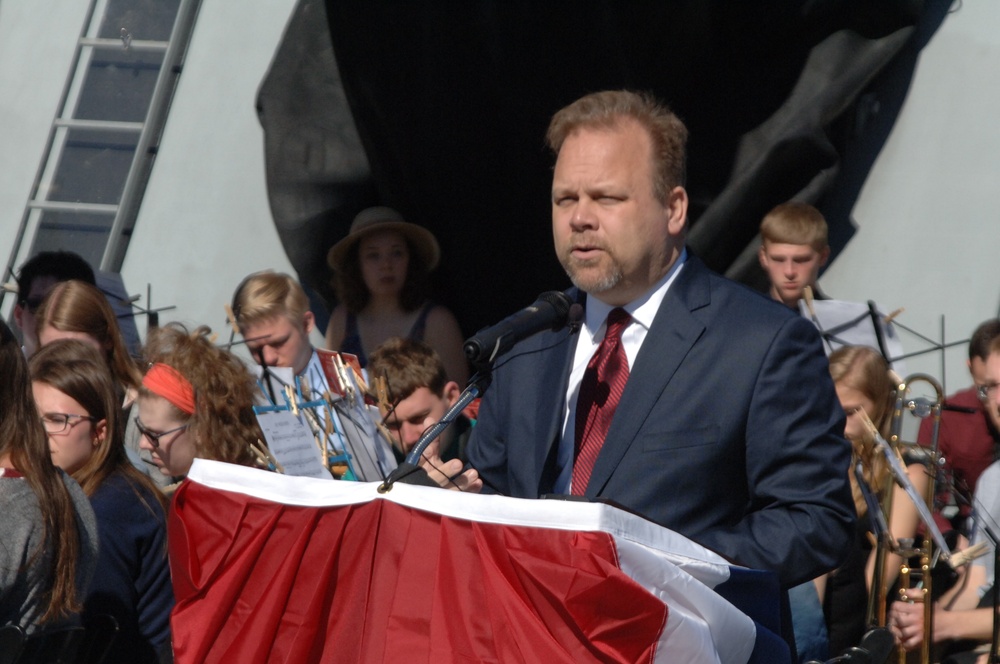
728, 431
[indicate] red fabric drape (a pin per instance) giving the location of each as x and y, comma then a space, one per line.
258, 581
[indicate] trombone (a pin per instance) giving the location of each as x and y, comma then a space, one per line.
932, 545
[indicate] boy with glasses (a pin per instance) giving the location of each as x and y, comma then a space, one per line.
969, 434
37, 277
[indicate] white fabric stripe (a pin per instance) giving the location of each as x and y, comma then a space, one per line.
707, 566
706, 624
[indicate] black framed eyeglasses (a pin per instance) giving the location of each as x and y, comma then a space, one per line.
154, 437
31, 305
59, 422
986, 392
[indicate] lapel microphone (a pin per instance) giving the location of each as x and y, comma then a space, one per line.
575, 317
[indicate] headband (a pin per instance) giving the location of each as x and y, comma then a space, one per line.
165, 381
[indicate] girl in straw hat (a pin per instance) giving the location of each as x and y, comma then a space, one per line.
381, 277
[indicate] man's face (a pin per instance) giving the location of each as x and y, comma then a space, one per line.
280, 343
977, 369
791, 267
414, 414
991, 379
24, 316
613, 236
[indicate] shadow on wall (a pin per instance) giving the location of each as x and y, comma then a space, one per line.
439, 110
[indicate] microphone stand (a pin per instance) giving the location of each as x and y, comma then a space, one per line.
553, 309
410, 472
879, 335
902, 479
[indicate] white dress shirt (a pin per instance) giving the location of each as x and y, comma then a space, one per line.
643, 311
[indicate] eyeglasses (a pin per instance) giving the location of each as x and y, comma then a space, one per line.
153, 437
31, 306
59, 422
986, 392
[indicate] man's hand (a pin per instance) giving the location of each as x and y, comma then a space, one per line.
907, 624
449, 475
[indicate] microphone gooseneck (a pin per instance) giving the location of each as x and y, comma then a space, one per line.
552, 310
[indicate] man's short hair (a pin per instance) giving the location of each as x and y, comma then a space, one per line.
984, 339
408, 365
62, 265
795, 223
606, 110
265, 295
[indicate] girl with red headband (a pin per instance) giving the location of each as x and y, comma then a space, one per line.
196, 400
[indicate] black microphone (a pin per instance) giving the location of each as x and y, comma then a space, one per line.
551, 311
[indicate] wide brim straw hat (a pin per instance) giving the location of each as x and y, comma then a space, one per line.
376, 219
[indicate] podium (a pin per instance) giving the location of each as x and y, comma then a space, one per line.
269, 568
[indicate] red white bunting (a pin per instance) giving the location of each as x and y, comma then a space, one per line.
269, 568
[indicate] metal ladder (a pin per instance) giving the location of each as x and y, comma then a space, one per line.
102, 143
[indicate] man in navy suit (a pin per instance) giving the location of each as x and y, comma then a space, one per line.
728, 430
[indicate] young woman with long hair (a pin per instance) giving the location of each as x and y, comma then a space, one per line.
77, 401
48, 537
77, 310
865, 387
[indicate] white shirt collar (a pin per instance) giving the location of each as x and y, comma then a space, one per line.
643, 309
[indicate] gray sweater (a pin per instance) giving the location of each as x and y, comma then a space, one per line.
22, 574
988, 512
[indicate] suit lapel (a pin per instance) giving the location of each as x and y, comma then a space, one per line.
673, 332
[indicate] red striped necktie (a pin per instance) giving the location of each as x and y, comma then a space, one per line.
600, 390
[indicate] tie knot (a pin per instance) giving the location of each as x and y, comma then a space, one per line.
618, 320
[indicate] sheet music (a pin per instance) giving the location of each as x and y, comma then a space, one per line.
292, 444
850, 324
